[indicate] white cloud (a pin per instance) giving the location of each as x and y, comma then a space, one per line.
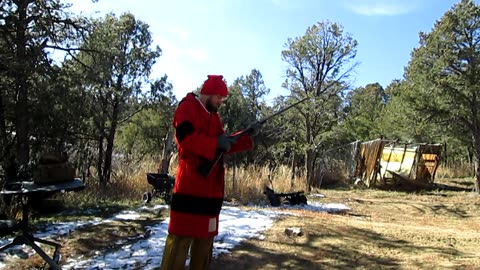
380, 7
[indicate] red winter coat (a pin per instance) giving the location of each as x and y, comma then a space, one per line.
197, 200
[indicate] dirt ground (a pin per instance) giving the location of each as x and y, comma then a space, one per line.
384, 230
436, 229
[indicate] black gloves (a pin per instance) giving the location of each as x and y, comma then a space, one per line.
254, 128
224, 143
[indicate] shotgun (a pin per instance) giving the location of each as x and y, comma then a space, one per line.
206, 167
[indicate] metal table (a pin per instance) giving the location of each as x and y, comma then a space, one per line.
28, 190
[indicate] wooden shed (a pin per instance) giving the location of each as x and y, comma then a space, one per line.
381, 161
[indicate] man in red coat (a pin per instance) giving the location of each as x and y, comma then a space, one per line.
197, 199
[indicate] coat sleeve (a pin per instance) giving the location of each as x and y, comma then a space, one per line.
243, 143
187, 133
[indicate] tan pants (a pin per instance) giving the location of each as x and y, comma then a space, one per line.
176, 252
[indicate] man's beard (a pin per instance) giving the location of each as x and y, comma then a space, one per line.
210, 107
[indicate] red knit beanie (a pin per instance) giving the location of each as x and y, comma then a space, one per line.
214, 85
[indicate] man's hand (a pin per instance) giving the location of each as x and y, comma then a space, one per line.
254, 129
224, 143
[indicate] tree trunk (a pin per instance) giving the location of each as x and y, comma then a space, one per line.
309, 162
292, 176
234, 175
7, 160
476, 143
100, 161
166, 154
21, 127
3, 133
21, 106
309, 154
107, 168
477, 175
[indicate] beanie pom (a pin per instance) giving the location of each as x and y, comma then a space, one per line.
214, 85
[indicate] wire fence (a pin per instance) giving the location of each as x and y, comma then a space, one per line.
338, 164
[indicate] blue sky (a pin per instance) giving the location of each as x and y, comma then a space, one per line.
232, 37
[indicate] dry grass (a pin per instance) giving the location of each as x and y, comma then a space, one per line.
460, 170
248, 184
126, 188
246, 187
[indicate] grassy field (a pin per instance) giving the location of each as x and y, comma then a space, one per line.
434, 229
